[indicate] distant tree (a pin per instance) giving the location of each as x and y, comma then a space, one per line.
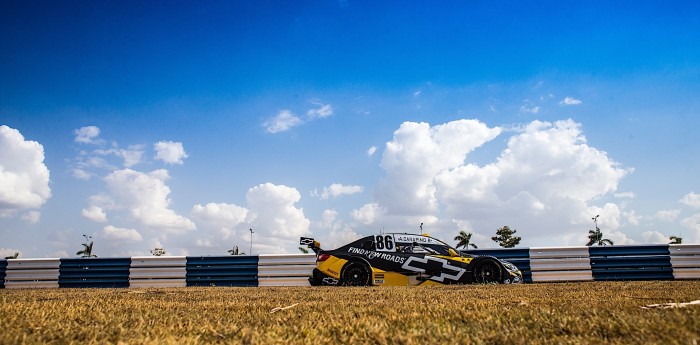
504, 237
87, 248
158, 252
595, 237
464, 240
234, 251
676, 240
13, 256
303, 250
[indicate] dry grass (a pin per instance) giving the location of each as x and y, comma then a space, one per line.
597, 312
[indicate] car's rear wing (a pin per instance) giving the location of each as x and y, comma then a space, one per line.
311, 243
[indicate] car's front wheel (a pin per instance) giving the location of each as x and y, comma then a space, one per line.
355, 273
488, 271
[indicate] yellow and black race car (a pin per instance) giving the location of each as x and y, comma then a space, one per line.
405, 259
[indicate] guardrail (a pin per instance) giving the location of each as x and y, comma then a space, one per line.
561, 264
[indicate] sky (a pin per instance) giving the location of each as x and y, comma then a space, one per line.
185, 125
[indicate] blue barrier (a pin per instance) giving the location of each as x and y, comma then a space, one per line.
520, 257
94, 273
3, 266
222, 271
650, 262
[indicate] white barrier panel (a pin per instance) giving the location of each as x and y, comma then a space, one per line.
685, 260
158, 271
285, 269
560, 264
32, 273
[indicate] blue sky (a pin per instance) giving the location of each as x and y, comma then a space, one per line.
183, 125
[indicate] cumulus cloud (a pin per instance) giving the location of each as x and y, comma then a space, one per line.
87, 135
145, 195
169, 152
94, 213
693, 224
544, 183
24, 178
335, 190
324, 110
115, 234
284, 121
270, 212
273, 206
334, 232
570, 101
624, 195
691, 199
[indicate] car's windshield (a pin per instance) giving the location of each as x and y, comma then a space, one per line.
428, 245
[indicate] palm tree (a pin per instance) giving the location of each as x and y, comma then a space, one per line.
13, 256
676, 240
87, 248
596, 237
234, 251
464, 240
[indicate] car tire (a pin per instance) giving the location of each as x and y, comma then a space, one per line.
488, 271
355, 273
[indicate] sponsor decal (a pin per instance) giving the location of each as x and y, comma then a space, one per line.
430, 264
369, 254
330, 281
415, 239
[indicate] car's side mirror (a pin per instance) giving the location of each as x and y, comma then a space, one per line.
452, 252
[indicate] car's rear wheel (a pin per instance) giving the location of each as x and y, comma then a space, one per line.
355, 273
488, 271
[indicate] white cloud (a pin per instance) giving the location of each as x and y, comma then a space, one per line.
335, 232
275, 212
115, 234
371, 151
221, 213
570, 101
368, 213
94, 213
146, 197
284, 121
544, 183
169, 152
31, 217
87, 135
667, 215
654, 237
691, 199
632, 217
324, 110
417, 154
335, 190
24, 178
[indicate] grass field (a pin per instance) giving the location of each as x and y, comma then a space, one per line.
596, 312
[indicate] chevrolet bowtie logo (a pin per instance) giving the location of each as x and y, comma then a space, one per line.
434, 266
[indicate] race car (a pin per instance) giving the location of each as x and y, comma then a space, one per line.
405, 259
